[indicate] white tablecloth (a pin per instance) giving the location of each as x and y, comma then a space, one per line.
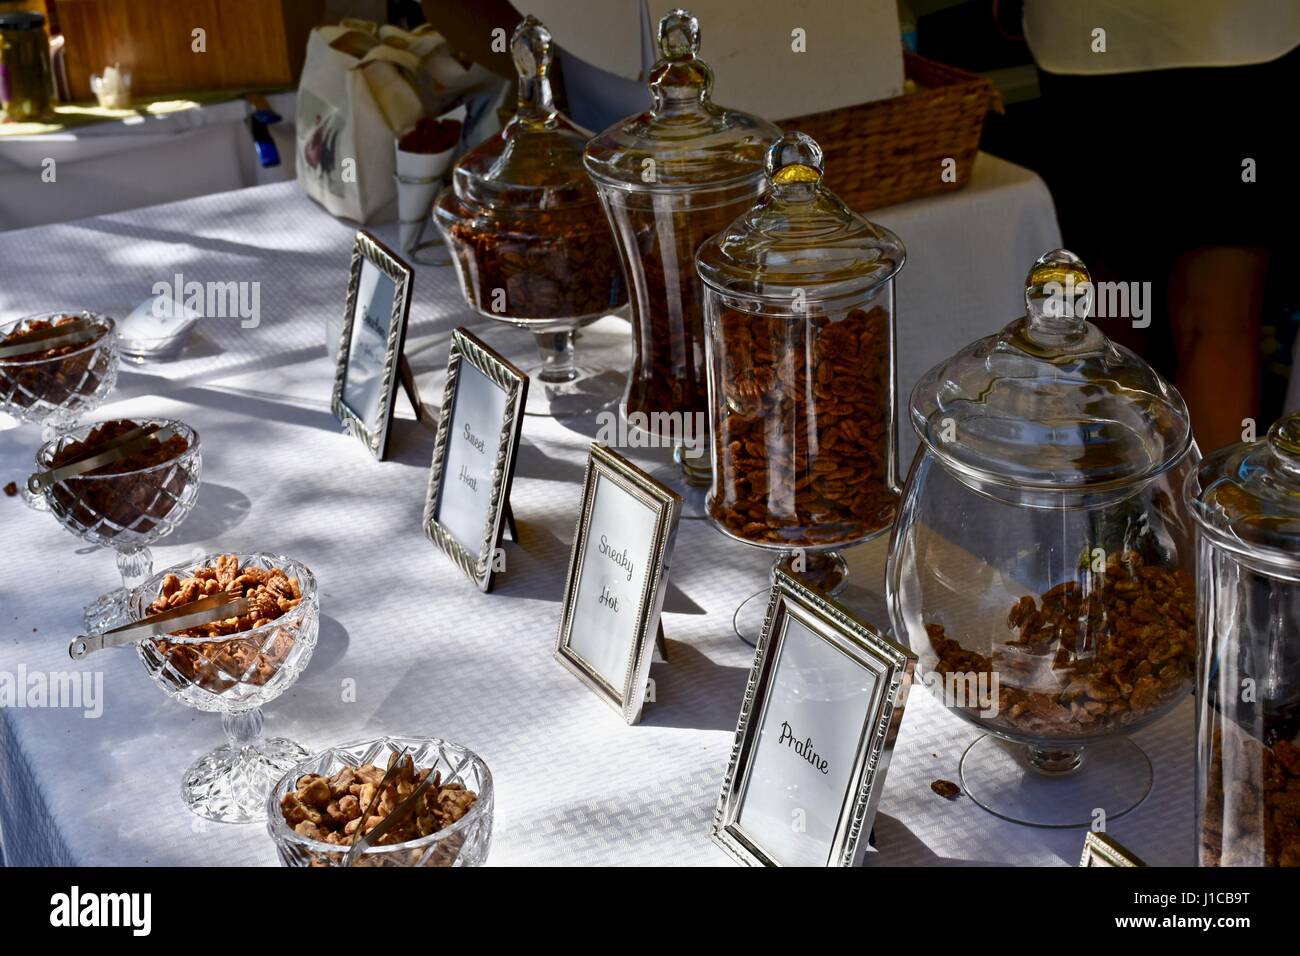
124, 164
427, 652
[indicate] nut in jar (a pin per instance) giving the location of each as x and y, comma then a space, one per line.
529, 240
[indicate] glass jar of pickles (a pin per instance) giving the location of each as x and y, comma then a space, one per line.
531, 245
25, 84
670, 178
1246, 502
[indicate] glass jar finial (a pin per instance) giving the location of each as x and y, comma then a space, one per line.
794, 158
530, 46
679, 35
1284, 443
680, 79
1058, 293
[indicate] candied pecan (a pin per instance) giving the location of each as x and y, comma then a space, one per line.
315, 808
131, 492
1252, 816
28, 378
669, 374
801, 430
1118, 647
946, 789
227, 659
550, 264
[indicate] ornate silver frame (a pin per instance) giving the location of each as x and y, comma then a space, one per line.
862, 645
368, 248
1101, 850
467, 347
603, 462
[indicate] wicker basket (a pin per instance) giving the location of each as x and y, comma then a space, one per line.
893, 150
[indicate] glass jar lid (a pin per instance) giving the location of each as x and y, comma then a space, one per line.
535, 164
1049, 403
685, 140
799, 237
1249, 494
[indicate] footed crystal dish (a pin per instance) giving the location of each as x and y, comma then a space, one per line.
54, 386
234, 675
123, 508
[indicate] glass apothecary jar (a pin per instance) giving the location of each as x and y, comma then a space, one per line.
670, 178
799, 321
1042, 562
25, 84
1246, 501
531, 244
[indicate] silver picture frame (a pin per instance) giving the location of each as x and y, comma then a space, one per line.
627, 697
369, 249
860, 645
478, 566
1101, 850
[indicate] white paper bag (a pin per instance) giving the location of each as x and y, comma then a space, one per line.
361, 86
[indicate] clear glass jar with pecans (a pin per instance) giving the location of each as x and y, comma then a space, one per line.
1246, 501
1041, 567
670, 178
531, 244
799, 314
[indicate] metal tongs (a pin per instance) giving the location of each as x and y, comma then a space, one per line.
56, 336
399, 813
133, 441
206, 610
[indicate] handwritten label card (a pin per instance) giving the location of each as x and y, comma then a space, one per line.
825, 698
617, 576
374, 328
473, 459
466, 498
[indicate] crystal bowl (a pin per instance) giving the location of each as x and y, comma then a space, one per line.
465, 843
126, 510
234, 676
56, 390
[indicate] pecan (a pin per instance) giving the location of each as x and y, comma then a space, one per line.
438, 807
1085, 658
549, 264
131, 492
29, 378
217, 664
1252, 816
801, 427
668, 364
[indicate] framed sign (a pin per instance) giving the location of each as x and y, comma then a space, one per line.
1101, 850
370, 350
474, 457
817, 727
618, 573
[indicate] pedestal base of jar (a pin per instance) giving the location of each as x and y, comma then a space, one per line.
586, 393
696, 467
827, 571
1070, 787
230, 784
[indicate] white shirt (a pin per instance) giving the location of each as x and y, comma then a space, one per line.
1158, 34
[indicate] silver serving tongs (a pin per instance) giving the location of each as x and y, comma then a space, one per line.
206, 610
393, 769
398, 814
56, 336
135, 440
